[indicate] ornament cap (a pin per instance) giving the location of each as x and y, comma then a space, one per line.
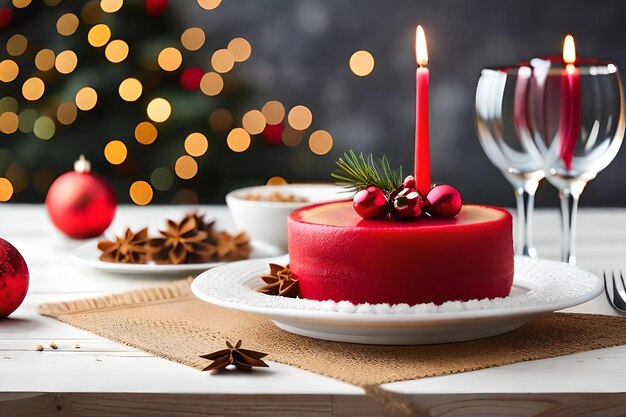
82, 164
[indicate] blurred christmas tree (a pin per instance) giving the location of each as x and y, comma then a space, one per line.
140, 94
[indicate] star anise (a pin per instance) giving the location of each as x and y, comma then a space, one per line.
181, 243
280, 281
202, 224
129, 248
232, 247
243, 359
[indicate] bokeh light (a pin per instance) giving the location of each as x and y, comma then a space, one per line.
186, 167
27, 120
6, 189
196, 144
211, 84
162, 179
238, 140
221, 120
141, 193
91, 12
159, 110
66, 61
9, 122
18, 176
320, 142
170, 59
116, 51
111, 6
240, 48
222, 60
209, 4
67, 113
254, 122
8, 70
300, 117
86, 98
99, 35
274, 112
276, 181
146, 133
20, 4
44, 128
42, 180
67, 24
45, 59
186, 196
291, 136
33, 89
192, 39
8, 104
115, 152
130, 89
362, 63
17, 44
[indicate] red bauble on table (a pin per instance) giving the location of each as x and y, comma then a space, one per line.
80, 203
13, 279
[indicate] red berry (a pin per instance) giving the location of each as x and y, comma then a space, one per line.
370, 202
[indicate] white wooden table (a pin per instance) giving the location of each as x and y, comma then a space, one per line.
106, 378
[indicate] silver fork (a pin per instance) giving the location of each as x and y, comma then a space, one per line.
616, 297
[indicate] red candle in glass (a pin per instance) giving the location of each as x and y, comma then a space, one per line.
422, 133
569, 121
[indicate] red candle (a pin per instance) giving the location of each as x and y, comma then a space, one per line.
569, 122
422, 135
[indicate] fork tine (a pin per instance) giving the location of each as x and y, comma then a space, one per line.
619, 291
606, 287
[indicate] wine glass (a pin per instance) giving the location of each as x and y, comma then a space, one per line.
502, 126
576, 119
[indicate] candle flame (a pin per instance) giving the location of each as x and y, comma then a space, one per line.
569, 50
421, 52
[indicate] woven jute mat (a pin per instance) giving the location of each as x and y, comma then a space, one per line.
172, 323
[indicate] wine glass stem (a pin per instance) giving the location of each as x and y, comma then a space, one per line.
525, 196
569, 211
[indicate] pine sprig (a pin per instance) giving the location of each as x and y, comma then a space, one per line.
357, 172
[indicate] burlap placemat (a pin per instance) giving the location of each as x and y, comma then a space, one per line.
171, 323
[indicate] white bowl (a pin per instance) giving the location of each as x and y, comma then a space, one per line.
266, 221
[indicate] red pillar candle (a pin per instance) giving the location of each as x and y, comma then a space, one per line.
569, 121
422, 133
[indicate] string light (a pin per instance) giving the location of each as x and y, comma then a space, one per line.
254, 122
221, 120
6, 189
240, 49
170, 59
45, 59
274, 112
115, 152
27, 120
44, 128
276, 181
222, 60
130, 89
141, 193
186, 167
66, 61
361, 63
67, 24
192, 39
111, 6
196, 144
17, 44
33, 89
238, 140
99, 35
67, 113
9, 122
162, 179
86, 98
8, 70
159, 110
320, 142
211, 84
116, 51
300, 117
209, 4
145, 133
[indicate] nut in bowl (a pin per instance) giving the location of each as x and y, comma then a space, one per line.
262, 211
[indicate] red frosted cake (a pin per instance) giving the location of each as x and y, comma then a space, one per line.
337, 255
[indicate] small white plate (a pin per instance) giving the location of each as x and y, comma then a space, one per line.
540, 287
89, 254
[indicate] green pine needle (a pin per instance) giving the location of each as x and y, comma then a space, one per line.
357, 172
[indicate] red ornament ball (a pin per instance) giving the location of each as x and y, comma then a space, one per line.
13, 279
444, 201
370, 202
81, 204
